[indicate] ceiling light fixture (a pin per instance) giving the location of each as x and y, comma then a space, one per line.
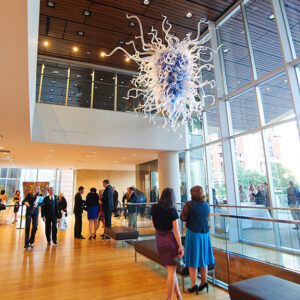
226, 50
46, 44
75, 49
146, 2
50, 4
87, 13
127, 59
51, 150
131, 24
123, 158
133, 154
120, 42
78, 76
285, 80
101, 79
88, 52
115, 161
80, 33
271, 17
188, 15
102, 54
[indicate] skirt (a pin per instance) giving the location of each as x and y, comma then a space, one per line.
93, 212
167, 247
16, 208
198, 249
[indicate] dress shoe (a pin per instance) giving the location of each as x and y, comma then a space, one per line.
82, 237
203, 286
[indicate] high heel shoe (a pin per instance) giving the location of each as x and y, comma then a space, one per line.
194, 289
94, 237
90, 237
203, 286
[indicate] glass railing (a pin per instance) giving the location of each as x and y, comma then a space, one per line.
80, 86
245, 239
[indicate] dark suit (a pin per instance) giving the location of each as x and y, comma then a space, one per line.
153, 196
108, 204
50, 211
78, 210
116, 200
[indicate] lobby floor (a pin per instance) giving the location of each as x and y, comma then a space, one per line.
80, 269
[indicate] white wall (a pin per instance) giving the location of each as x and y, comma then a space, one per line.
93, 127
33, 14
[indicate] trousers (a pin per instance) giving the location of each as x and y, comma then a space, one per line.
51, 227
132, 220
107, 215
78, 225
32, 216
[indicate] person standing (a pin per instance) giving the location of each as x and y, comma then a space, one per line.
251, 193
3, 197
266, 196
168, 242
132, 209
154, 194
198, 248
78, 210
92, 204
17, 200
50, 214
293, 201
107, 202
32, 215
62, 203
258, 196
243, 194
116, 201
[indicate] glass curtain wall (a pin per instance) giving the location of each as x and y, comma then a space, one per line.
261, 92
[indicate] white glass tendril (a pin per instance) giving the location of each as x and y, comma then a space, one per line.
170, 78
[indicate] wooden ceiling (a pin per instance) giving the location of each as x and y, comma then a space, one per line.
107, 25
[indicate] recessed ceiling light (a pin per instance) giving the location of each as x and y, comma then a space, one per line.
51, 90
123, 158
146, 2
46, 43
285, 80
50, 4
55, 71
80, 33
115, 161
101, 79
87, 13
88, 52
273, 108
75, 49
53, 81
188, 15
225, 50
127, 59
267, 88
133, 154
96, 88
271, 17
122, 82
120, 42
50, 97
75, 84
78, 76
51, 150
131, 24
102, 54
238, 82
1, 147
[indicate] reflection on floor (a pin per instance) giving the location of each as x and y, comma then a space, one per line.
79, 269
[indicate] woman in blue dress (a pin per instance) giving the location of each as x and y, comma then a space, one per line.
93, 208
198, 249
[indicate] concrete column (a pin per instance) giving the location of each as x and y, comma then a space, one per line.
168, 172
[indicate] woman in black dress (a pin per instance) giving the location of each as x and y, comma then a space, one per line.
62, 203
17, 200
164, 217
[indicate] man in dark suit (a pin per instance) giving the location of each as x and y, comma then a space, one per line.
107, 202
78, 210
132, 208
154, 194
116, 201
50, 214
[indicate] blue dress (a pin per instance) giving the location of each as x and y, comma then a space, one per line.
198, 248
93, 212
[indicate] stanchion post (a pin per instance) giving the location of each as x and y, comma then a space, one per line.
20, 227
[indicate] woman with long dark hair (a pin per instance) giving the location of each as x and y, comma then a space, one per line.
164, 217
198, 249
92, 204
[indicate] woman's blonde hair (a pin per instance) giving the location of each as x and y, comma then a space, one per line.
32, 188
197, 193
60, 196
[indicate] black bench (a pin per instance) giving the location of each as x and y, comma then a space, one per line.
148, 249
264, 288
121, 233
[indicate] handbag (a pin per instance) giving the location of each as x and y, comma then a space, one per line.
2, 206
62, 225
181, 266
